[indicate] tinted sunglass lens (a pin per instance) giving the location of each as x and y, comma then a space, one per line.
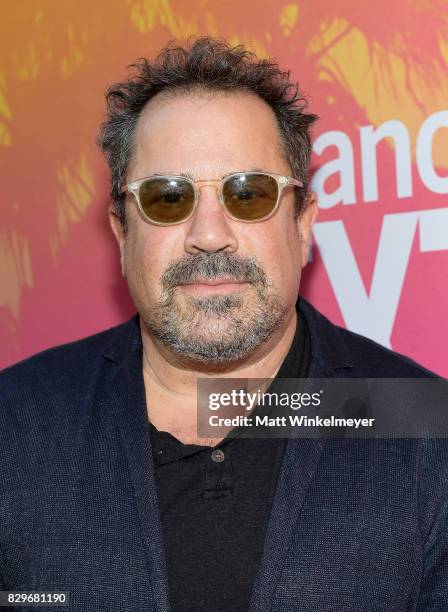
250, 196
167, 200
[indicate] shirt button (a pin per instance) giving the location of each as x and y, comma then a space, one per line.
218, 455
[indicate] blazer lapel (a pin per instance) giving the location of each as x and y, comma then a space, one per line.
329, 358
299, 464
126, 392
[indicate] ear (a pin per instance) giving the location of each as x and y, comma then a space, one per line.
118, 232
305, 222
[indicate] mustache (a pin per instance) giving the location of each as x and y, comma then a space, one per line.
211, 266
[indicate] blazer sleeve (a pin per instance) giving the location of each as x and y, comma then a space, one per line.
433, 498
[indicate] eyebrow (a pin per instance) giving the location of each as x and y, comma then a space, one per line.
189, 176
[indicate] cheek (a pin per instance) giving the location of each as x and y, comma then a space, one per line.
139, 264
147, 255
279, 249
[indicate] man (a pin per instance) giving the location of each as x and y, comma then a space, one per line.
107, 492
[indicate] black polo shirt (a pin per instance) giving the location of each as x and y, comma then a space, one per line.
215, 505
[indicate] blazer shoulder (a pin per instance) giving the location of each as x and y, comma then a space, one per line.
342, 348
377, 361
67, 363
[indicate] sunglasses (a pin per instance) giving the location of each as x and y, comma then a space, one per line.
245, 196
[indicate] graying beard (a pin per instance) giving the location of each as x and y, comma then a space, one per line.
181, 331
177, 331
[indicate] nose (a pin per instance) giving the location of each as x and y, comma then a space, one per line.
209, 229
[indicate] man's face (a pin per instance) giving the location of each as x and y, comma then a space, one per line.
206, 137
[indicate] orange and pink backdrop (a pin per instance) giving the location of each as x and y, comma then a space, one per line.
376, 73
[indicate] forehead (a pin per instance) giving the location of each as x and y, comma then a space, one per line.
207, 133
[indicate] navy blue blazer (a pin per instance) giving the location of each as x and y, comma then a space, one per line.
356, 525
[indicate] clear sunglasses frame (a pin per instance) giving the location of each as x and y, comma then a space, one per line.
282, 181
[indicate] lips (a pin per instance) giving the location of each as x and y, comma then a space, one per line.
221, 281
208, 286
